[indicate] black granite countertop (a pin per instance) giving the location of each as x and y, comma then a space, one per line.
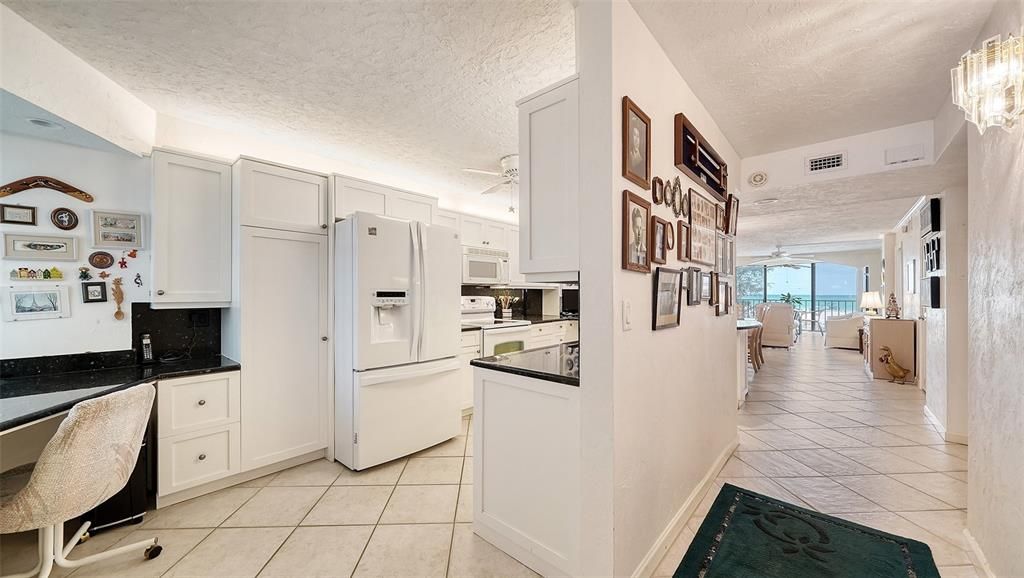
557, 363
28, 398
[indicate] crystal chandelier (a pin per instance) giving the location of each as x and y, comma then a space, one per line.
988, 83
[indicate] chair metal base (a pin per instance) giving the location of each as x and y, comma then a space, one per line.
53, 551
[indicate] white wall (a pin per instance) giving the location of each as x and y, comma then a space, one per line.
995, 364
674, 389
38, 69
118, 181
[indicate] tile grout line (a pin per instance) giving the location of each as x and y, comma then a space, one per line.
377, 524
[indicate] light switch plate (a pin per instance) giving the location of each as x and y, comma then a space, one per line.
627, 315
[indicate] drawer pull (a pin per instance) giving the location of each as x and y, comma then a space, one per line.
202, 402
324, 226
202, 457
159, 291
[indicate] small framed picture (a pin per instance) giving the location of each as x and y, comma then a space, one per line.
720, 217
112, 230
713, 282
636, 214
683, 238
670, 238
658, 190
35, 302
660, 230
723, 299
720, 258
705, 287
636, 144
702, 229
94, 292
17, 215
693, 286
64, 219
39, 247
732, 215
668, 286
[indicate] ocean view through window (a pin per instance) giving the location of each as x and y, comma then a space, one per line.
822, 289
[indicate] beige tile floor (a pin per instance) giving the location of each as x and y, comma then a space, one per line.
815, 431
410, 517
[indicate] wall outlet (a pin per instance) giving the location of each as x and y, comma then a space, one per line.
627, 315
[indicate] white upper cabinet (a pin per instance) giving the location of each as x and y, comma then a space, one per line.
549, 155
446, 219
512, 242
480, 232
191, 231
351, 195
276, 197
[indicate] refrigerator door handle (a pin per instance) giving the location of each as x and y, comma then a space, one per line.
417, 292
424, 274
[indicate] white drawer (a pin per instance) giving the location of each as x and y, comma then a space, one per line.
197, 458
470, 339
547, 328
189, 404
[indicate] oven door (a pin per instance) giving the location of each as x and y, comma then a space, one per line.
484, 269
504, 340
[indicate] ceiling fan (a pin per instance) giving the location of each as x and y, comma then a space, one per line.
780, 258
510, 179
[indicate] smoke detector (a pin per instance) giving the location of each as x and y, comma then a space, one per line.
758, 179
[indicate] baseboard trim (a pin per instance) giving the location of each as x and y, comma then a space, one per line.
934, 420
955, 438
979, 557
650, 561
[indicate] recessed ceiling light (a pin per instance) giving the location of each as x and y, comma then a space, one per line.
47, 124
765, 202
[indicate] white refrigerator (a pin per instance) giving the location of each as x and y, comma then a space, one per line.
396, 338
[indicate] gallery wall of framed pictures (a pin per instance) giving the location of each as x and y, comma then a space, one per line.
695, 229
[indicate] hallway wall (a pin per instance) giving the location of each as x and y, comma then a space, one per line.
995, 363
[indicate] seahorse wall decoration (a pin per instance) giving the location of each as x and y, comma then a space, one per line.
118, 297
39, 182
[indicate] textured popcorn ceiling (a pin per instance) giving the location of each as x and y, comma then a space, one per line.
409, 87
777, 74
844, 214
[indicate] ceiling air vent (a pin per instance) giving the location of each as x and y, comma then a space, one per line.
826, 163
906, 154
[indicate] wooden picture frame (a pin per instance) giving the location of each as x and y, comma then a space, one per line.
659, 231
705, 287
695, 158
715, 296
722, 307
94, 292
636, 218
732, 215
32, 302
117, 230
17, 215
721, 261
720, 218
702, 229
636, 144
658, 190
667, 302
682, 240
693, 286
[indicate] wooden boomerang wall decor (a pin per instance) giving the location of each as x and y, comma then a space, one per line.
44, 183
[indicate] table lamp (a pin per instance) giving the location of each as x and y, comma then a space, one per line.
871, 300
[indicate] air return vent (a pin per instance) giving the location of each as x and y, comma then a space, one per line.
826, 163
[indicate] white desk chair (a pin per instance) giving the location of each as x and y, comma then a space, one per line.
87, 461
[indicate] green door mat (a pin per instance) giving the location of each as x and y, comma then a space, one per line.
747, 535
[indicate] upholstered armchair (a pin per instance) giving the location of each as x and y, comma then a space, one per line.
779, 326
841, 331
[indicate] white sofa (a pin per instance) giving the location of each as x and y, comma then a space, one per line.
779, 325
841, 331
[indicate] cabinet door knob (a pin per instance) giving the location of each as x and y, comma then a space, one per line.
202, 402
202, 457
324, 338
324, 226
159, 291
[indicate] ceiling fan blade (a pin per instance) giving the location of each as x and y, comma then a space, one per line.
496, 187
483, 172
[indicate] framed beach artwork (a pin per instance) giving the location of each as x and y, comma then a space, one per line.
636, 144
703, 229
39, 247
112, 230
636, 214
660, 231
668, 287
28, 303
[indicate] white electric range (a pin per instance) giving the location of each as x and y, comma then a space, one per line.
499, 335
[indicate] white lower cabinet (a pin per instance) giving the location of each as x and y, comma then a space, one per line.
197, 430
470, 350
548, 334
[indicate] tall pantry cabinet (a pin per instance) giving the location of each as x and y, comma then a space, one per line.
278, 326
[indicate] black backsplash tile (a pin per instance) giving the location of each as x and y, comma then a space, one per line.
171, 330
25, 366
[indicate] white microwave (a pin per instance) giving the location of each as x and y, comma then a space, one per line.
484, 266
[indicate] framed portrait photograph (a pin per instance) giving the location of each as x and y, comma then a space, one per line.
703, 229
40, 247
112, 230
17, 215
94, 292
636, 215
660, 231
693, 286
668, 287
636, 144
732, 214
34, 302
